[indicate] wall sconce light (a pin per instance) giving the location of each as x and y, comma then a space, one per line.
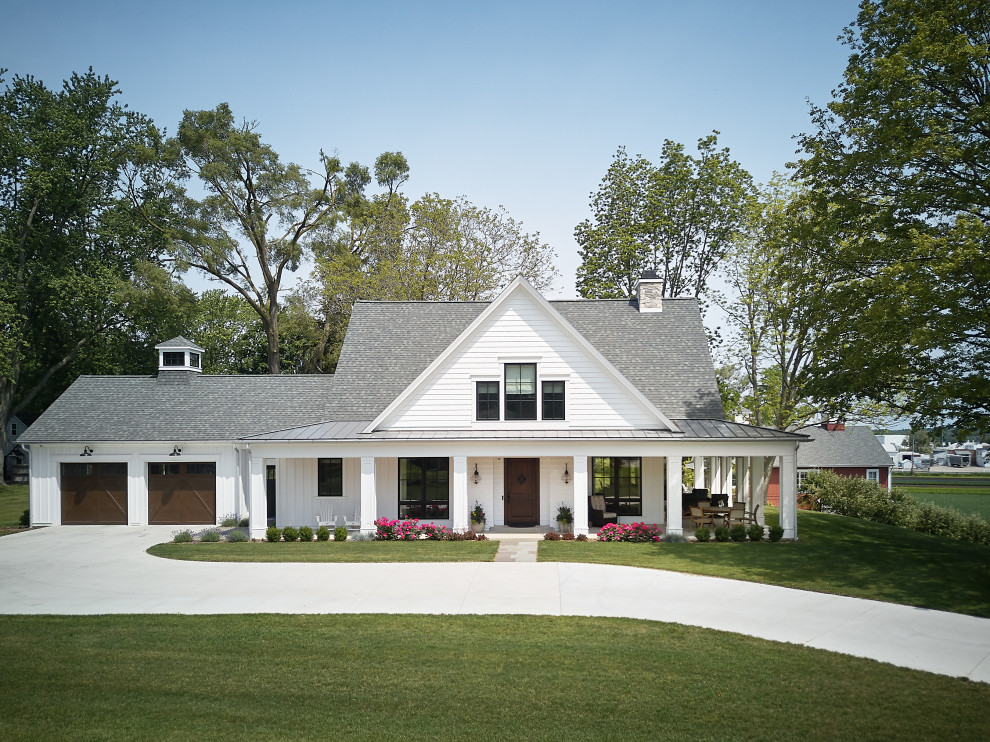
476, 477
566, 476
176, 451
87, 451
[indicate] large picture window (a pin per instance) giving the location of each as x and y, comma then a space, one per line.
620, 481
520, 391
553, 400
330, 478
424, 488
487, 400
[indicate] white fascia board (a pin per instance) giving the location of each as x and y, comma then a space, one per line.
521, 284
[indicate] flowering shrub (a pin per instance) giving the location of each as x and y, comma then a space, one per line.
387, 529
639, 532
434, 532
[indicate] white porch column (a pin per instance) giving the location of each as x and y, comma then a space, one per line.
580, 469
257, 499
369, 497
788, 494
758, 487
725, 477
742, 491
675, 520
459, 504
699, 472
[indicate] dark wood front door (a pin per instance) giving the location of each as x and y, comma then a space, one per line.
522, 492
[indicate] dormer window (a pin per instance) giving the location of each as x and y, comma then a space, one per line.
173, 359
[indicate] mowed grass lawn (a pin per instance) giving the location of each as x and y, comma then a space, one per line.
13, 502
345, 677
948, 491
834, 554
331, 551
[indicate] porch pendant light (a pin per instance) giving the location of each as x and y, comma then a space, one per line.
176, 451
476, 477
566, 476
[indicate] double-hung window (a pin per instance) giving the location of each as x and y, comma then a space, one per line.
487, 400
553, 400
424, 488
330, 478
620, 481
520, 391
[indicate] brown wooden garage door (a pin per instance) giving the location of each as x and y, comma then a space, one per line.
94, 493
182, 493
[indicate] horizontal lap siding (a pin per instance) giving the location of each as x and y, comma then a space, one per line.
521, 330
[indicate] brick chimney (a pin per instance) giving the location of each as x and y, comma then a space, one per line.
834, 426
649, 292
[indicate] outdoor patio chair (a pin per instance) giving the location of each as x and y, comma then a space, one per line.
325, 516
352, 522
750, 519
598, 514
699, 519
736, 516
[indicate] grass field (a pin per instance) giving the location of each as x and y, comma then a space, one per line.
13, 502
332, 551
946, 490
839, 555
348, 677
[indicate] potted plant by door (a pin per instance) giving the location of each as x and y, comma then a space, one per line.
477, 518
565, 519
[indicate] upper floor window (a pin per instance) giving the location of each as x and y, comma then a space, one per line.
487, 400
171, 358
553, 400
194, 360
520, 391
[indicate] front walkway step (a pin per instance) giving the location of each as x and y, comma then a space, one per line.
516, 550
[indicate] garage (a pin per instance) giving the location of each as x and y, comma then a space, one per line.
94, 493
182, 493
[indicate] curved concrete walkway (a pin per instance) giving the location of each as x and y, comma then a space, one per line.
104, 569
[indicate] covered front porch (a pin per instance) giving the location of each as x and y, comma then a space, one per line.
517, 483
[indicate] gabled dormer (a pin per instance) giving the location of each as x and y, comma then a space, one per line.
179, 359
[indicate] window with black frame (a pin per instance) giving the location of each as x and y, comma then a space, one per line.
553, 400
330, 478
620, 481
424, 488
520, 391
487, 400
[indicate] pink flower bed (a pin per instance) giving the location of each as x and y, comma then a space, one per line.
630, 532
387, 529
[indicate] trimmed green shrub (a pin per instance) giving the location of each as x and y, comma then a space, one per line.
776, 533
721, 534
182, 537
290, 533
322, 533
339, 533
703, 534
237, 537
229, 521
305, 533
755, 532
211, 536
273, 534
737, 533
25, 520
244, 522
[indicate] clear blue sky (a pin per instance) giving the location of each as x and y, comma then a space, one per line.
521, 104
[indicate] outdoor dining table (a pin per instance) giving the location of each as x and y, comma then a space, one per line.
716, 512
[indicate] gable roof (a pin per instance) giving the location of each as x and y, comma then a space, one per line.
521, 286
856, 446
664, 355
178, 342
207, 408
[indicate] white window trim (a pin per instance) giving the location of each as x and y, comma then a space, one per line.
875, 478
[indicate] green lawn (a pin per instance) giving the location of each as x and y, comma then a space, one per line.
845, 556
13, 502
362, 677
947, 490
332, 551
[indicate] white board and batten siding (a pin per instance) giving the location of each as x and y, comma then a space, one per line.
521, 331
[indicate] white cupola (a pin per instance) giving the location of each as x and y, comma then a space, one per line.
179, 354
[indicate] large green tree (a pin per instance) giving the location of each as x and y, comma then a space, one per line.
899, 161
80, 287
678, 217
258, 216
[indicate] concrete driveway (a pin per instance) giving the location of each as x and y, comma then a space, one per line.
104, 569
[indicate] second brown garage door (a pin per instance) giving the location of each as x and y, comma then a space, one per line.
182, 493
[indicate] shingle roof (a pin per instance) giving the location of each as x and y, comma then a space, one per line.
663, 354
178, 342
214, 408
856, 446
